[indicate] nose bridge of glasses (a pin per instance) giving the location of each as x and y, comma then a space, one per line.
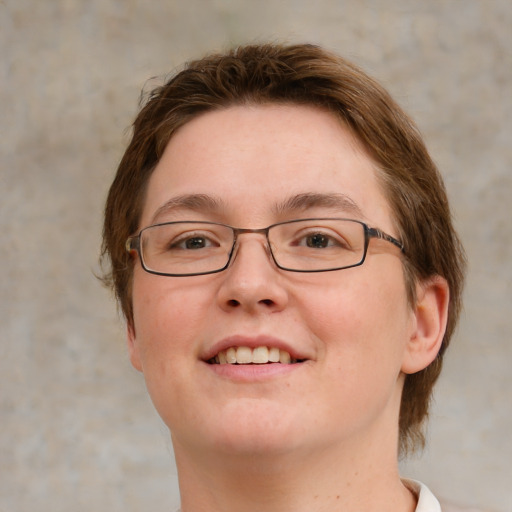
243, 231
248, 231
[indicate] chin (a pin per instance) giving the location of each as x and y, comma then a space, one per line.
248, 427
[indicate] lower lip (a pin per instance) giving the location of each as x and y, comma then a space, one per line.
253, 372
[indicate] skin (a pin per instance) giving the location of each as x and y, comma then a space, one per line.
315, 436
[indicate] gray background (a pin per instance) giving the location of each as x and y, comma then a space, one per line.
77, 429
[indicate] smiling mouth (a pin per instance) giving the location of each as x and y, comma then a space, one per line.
258, 355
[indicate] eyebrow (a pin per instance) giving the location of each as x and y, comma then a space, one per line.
204, 203
201, 203
311, 200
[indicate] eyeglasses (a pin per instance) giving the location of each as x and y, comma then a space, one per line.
191, 248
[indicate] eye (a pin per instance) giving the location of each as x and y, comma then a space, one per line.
320, 240
192, 241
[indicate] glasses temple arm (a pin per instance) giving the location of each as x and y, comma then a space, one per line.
377, 233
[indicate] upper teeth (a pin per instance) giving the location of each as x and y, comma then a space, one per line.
247, 355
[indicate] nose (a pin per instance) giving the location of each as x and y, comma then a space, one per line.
252, 282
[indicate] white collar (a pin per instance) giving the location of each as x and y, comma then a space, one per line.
427, 502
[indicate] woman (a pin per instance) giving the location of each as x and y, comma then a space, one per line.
282, 250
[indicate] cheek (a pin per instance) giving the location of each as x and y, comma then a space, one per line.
358, 317
166, 317
361, 332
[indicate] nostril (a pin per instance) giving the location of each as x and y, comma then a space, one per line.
267, 302
233, 303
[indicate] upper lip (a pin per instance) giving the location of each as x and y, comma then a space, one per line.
252, 342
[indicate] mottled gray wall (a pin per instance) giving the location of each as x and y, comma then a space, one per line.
77, 430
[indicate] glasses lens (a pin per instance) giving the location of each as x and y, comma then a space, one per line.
184, 248
318, 244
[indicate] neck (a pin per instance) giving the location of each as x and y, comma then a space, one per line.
330, 480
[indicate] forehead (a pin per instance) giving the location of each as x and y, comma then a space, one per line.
252, 160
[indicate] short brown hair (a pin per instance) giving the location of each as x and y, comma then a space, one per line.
304, 75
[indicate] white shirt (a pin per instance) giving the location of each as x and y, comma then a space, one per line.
427, 502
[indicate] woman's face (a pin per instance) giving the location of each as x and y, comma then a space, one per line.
250, 167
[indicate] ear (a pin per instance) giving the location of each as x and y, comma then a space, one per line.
430, 314
133, 346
